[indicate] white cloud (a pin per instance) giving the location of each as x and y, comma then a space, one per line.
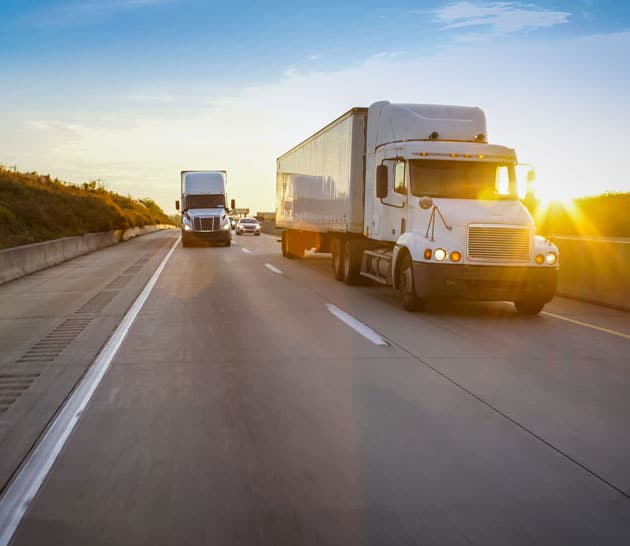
499, 18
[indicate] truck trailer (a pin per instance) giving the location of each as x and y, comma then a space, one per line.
414, 197
204, 208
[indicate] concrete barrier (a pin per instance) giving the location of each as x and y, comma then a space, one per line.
595, 270
23, 260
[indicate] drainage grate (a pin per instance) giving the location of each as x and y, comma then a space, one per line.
12, 385
96, 304
119, 282
50, 347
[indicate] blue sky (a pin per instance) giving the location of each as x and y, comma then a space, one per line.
133, 91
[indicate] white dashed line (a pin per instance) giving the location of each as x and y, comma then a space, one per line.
356, 325
274, 269
247, 251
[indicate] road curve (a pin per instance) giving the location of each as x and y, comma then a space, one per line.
241, 410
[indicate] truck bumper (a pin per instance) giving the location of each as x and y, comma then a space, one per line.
485, 283
219, 237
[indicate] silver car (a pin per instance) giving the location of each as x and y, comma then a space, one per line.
248, 225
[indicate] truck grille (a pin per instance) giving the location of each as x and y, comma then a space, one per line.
498, 244
207, 223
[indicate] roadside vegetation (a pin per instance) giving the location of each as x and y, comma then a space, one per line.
606, 215
36, 208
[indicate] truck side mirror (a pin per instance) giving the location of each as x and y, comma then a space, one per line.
381, 181
233, 204
177, 205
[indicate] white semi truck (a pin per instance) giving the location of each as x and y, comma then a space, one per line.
413, 196
204, 208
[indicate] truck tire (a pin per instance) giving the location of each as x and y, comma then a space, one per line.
336, 247
351, 262
228, 242
528, 307
185, 241
407, 287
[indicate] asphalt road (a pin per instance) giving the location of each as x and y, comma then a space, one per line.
239, 410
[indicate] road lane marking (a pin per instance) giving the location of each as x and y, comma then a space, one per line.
274, 269
356, 325
586, 325
247, 251
21, 491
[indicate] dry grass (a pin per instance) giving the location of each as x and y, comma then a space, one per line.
36, 208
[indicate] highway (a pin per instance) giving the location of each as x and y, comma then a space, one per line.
255, 400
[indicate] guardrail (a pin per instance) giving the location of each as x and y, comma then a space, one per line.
596, 270
22, 260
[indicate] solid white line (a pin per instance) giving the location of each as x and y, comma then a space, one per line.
247, 251
35, 468
274, 269
356, 325
586, 325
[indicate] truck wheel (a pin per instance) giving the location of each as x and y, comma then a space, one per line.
406, 286
185, 242
227, 243
528, 307
336, 248
351, 263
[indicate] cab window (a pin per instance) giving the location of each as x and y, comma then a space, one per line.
400, 183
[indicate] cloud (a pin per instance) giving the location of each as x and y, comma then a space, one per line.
498, 18
83, 13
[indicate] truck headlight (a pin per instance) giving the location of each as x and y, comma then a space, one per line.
440, 254
187, 227
226, 225
551, 258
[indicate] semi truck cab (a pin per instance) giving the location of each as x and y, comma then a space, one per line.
449, 202
204, 208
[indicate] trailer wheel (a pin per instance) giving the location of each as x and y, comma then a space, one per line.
336, 248
351, 263
528, 307
406, 286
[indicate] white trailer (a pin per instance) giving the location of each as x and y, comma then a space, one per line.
204, 208
413, 196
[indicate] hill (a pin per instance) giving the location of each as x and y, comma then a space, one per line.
36, 208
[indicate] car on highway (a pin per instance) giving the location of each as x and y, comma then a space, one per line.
248, 225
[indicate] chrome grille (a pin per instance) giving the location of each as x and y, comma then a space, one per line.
498, 243
206, 223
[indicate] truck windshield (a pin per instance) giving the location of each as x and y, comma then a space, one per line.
462, 179
204, 201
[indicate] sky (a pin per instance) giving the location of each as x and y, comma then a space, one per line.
131, 92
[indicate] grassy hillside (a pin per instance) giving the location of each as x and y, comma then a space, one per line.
606, 215
37, 208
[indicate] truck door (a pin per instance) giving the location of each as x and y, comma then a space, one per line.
394, 211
